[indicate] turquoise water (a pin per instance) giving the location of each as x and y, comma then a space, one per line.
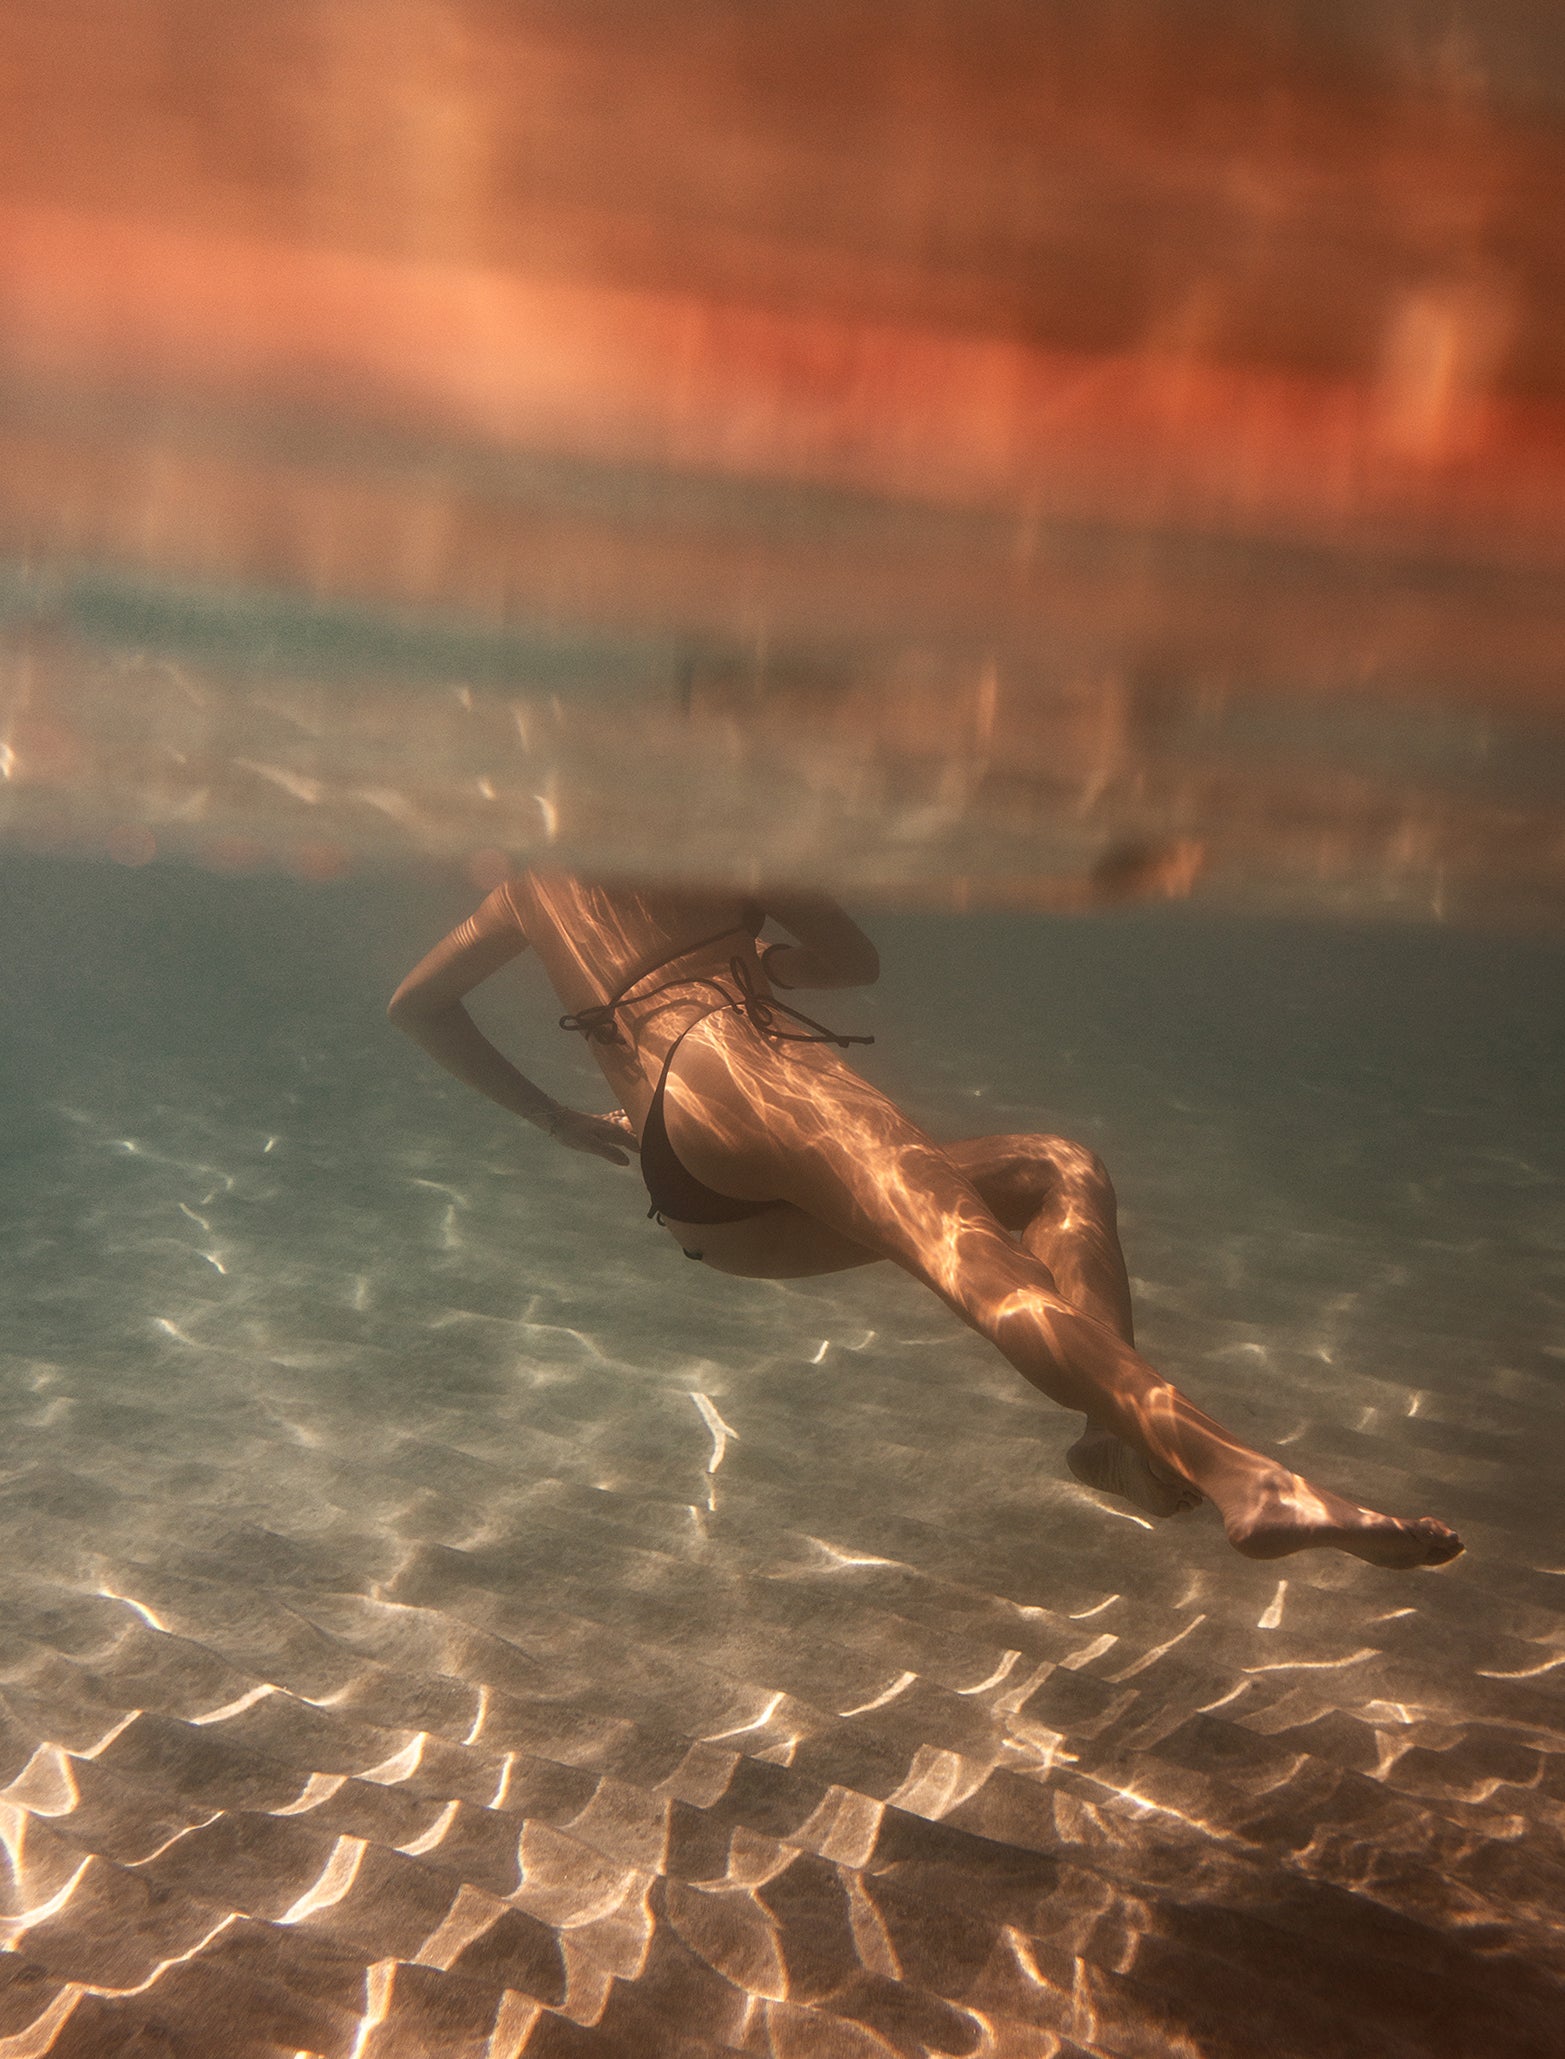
436, 1618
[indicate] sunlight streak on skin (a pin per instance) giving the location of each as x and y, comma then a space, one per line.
898, 1686
503, 1786
333, 1882
480, 1715
1081, 1615
820, 1355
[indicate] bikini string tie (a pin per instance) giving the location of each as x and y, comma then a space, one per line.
762, 1010
596, 1022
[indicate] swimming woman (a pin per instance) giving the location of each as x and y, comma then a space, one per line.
767, 1156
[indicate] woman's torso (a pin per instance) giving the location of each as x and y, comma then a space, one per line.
595, 940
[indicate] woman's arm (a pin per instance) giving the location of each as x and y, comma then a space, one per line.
428, 1006
832, 951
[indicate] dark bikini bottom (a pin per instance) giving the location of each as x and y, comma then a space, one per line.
674, 1190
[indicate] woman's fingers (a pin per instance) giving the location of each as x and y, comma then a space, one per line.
623, 1128
599, 1136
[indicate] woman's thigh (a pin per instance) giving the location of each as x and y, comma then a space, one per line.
1014, 1176
794, 1123
753, 1120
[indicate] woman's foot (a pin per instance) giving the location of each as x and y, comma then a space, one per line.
1286, 1514
1105, 1462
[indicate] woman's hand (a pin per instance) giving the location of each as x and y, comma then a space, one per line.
599, 1136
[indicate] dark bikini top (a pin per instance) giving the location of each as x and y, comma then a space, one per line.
596, 1021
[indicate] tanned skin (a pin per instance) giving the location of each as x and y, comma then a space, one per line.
1016, 1234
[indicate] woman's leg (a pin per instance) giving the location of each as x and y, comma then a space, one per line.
758, 1121
1057, 1196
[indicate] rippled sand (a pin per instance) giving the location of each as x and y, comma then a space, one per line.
436, 1619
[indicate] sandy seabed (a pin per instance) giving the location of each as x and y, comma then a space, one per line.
437, 1619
